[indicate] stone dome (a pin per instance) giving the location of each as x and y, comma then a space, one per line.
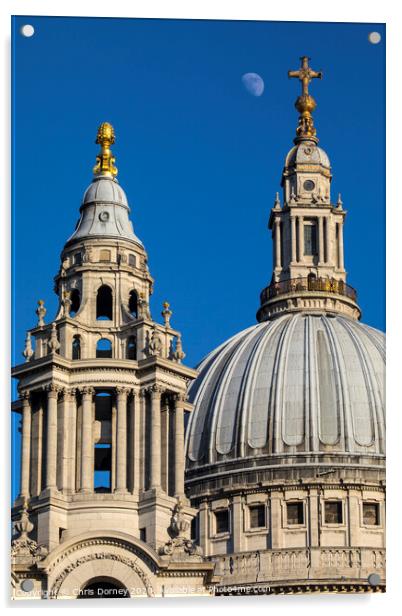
104, 212
307, 152
297, 388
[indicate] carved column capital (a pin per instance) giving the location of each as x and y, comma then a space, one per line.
156, 390
25, 397
52, 390
87, 391
122, 391
69, 393
180, 397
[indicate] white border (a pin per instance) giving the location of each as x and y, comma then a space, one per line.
386, 11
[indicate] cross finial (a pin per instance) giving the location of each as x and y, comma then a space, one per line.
305, 103
305, 74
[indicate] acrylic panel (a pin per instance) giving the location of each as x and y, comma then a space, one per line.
198, 308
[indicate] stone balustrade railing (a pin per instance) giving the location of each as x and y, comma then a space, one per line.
301, 564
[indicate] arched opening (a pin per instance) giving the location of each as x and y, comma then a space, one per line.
103, 588
76, 348
103, 348
133, 303
311, 282
131, 348
75, 302
104, 304
103, 447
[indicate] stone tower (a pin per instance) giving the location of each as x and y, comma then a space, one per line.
103, 400
307, 230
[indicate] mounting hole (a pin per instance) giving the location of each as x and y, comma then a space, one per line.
374, 579
374, 38
27, 585
27, 30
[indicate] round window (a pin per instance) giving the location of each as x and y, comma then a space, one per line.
309, 185
104, 216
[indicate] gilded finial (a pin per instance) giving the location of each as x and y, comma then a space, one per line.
105, 159
305, 103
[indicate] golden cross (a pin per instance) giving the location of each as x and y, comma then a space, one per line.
305, 74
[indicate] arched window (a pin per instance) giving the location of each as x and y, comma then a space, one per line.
311, 281
103, 348
104, 304
76, 348
75, 302
131, 348
133, 304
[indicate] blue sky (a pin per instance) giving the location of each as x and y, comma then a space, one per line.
199, 157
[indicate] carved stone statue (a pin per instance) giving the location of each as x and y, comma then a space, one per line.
179, 354
53, 343
155, 344
28, 352
41, 312
66, 303
24, 549
179, 547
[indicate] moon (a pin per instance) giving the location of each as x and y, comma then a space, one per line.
253, 83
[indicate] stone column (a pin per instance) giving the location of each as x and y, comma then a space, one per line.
51, 432
179, 444
87, 445
35, 470
165, 446
340, 247
328, 239
293, 238
25, 444
121, 439
277, 243
156, 393
71, 426
301, 240
62, 458
135, 439
320, 240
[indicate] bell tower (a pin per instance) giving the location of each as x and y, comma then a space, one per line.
103, 392
307, 227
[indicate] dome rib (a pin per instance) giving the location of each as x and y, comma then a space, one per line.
249, 391
198, 428
376, 404
230, 390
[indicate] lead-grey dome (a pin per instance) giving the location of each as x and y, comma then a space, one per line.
307, 152
297, 384
105, 212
